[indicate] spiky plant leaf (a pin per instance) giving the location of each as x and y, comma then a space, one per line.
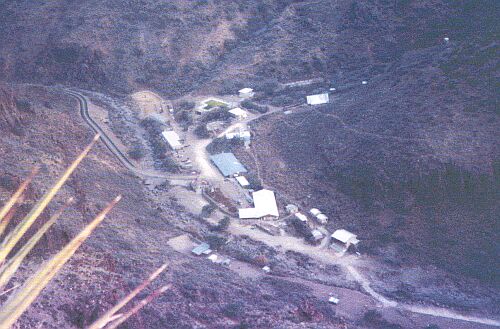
13, 237
6, 209
110, 314
11, 266
17, 303
124, 317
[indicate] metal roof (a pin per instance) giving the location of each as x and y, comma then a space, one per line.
245, 90
242, 180
200, 249
238, 112
172, 139
227, 164
318, 99
345, 236
264, 205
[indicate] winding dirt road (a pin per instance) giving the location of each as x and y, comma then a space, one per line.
108, 142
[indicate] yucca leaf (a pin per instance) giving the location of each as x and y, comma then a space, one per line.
4, 221
11, 266
17, 303
13, 237
138, 307
109, 315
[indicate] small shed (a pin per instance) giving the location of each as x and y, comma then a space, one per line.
246, 93
227, 164
315, 212
202, 249
242, 180
317, 235
322, 218
318, 99
301, 217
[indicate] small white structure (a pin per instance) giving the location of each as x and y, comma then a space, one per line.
239, 113
242, 181
246, 93
315, 212
333, 89
301, 217
291, 208
213, 258
446, 39
345, 237
173, 139
318, 99
322, 218
333, 300
364, 82
239, 134
317, 235
266, 269
264, 205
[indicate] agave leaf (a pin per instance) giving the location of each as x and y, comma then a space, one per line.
6, 209
17, 303
138, 307
109, 315
13, 237
11, 266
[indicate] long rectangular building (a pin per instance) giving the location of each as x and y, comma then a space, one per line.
173, 139
227, 164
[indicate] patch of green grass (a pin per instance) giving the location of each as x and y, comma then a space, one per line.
213, 103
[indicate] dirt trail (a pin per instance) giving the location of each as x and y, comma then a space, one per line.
427, 310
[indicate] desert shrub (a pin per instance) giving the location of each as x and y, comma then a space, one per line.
184, 117
24, 105
163, 160
207, 210
137, 152
228, 87
222, 225
220, 114
373, 319
186, 105
201, 131
268, 87
222, 145
233, 310
261, 260
255, 107
215, 241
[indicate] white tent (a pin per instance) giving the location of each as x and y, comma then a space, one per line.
264, 205
318, 99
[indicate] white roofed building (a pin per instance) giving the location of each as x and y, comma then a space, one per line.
246, 93
315, 212
239, 113
318, 99
264, 205
242, 180
301, 217
345, 237
173, 139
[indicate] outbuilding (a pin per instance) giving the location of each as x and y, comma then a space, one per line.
202, 249
239, 113
318, 99
172, 139
242, 180
345, 237
246, 93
